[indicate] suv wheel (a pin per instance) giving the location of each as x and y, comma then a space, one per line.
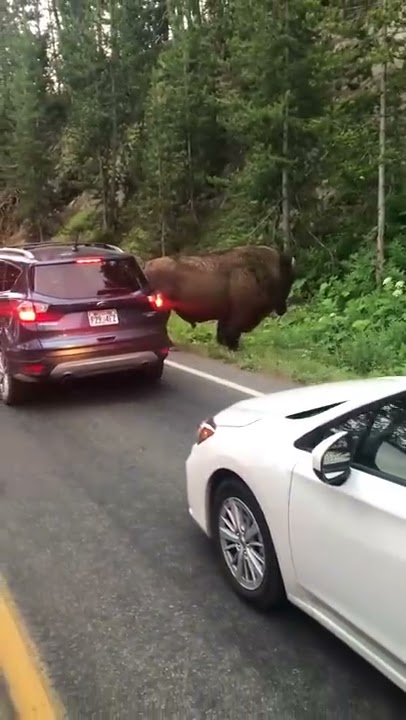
153, 372
11, 390
245, 546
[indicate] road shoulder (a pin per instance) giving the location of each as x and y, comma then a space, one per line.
258, 382
28, 688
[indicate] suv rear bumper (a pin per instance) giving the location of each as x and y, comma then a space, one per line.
36, 367
110, 363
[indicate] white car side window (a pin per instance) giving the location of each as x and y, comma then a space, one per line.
391, 461
384, 450
379, 435
358, 426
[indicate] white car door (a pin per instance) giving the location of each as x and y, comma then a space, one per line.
348, 543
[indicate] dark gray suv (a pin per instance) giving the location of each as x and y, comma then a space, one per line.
76, 310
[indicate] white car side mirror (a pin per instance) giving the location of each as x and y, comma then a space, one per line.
332, 459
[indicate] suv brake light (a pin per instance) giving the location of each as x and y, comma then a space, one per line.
88, 261
26, 312
29, 312
156, 300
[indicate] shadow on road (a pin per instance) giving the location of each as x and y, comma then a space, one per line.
122, 388
260, 636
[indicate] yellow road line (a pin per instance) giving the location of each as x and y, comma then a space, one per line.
28, 684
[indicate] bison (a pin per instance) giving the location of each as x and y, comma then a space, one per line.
238, 287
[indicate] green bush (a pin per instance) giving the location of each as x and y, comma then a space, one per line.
80, 222
86, 225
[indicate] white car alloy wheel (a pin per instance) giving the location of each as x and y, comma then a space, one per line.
245, 546
242, 543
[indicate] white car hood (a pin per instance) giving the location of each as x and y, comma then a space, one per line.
298, 400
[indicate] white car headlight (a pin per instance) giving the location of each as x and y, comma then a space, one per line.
206, 430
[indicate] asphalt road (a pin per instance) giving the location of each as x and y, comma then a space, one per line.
121, 591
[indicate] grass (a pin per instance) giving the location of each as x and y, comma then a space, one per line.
267, 349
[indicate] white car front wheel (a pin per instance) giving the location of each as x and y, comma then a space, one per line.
245, 546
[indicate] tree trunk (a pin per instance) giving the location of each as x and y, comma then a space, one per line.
380, 242
112, 215
285, 178
191, 175
189, 148
163, 233
104, 191
161, 209
55, 33
285, 145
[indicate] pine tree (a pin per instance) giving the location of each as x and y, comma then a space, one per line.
30, 138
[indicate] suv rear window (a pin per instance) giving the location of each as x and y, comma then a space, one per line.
76, 280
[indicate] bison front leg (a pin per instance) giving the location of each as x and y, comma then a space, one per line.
220, 333
233, 341
228, 336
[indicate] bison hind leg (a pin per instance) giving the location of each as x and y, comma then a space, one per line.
186, 318
227, 336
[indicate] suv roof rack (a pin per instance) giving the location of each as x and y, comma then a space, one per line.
44, 243
17, 251
73, 244
107, 246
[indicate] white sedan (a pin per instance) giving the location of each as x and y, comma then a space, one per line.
304, 494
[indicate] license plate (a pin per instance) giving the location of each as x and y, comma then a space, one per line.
98, 318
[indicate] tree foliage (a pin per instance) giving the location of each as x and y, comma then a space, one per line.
199, 122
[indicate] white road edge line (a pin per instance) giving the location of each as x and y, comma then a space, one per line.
213, 378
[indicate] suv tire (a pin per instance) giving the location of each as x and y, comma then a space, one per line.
153, 372
12, 391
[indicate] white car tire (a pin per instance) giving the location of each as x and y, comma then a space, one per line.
247, 554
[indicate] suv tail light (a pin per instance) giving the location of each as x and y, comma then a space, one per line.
156, 300
26, 312
32, 312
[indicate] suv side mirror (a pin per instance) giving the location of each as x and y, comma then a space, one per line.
332, 459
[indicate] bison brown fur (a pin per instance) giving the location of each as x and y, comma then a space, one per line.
238, 287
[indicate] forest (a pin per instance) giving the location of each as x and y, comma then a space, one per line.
174, 126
